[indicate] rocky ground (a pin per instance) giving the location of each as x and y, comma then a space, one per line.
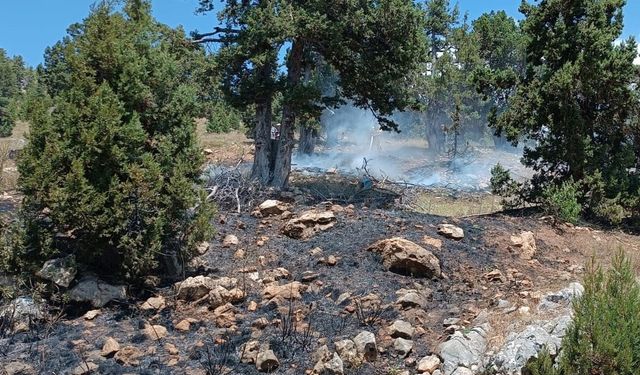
323, 288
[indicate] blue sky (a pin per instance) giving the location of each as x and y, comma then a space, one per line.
27, 27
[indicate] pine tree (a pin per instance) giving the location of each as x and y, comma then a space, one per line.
576, 101
372, 45
112, 172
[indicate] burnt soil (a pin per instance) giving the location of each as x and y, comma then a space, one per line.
58, 346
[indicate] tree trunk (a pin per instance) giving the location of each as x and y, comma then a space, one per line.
261, 170
285, 145
307, 142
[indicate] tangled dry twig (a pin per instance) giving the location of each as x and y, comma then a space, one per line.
232, 188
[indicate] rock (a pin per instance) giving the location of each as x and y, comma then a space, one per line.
21, 311
402, 346
348, 352
202, 247
402, 329
129, 356
332, 260
250, 352
60, 271
110, 347
494, 276
463, 371
194, 288
85, 368
155, 332
97, 292
183, 326
92, 314
520, 347
253, 306
154, 303
266, 361
464, 350
334, 366
270, 207
171, 349
308, 224
526, 242
407, 258
19, 368
450, 322
428, 364
411, 298
561, 298
287, 291
309, 276
366, 345
230, 240
451, 231
225, 316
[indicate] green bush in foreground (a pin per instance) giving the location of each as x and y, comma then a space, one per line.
604, 337
112, 173
561, 201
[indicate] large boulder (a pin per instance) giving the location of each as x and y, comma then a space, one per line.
309, 223
407, 258
60, 271
97, 292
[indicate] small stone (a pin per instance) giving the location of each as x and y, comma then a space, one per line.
60, 271
129, 356
308, 276
450, 322
331, 260
526, 242
266, 361
155, 332
451, 231
154, 303
347, 351
85, 368
171, 349
203, 247
428, 364
402, 346
239, 254
253, 306
316, 251
109, 347
334, 366
91, 314
230, 240
402, 329
366, 345
183, 326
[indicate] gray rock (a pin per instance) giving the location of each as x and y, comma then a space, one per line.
400, 328
22, 310
347, 351
451, 231
96, 291
366, 345
464, 350
334, 366
266, 361
61, 271
522, 346
412, 298
462, 371
19, 368
561, 298
402, 346
428, 364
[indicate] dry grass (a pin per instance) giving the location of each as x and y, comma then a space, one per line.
442, 203
224, 148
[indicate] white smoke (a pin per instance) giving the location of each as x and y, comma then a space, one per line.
352, 135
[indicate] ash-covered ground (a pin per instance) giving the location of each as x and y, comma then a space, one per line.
344, 290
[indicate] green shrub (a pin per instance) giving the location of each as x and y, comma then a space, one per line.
223, 119
604, 337
561, 201
504, 186
113, 171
